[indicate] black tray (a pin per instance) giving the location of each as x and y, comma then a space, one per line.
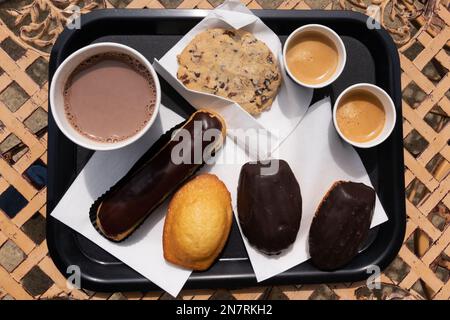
372, 57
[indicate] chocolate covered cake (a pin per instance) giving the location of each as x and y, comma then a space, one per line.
269, 205
341, 224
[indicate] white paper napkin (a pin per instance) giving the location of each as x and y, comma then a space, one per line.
143, 250
318, 158
288, 107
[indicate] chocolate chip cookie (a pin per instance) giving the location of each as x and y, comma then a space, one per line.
232, 64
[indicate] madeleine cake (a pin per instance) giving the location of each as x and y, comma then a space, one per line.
198, 223
269, 205
341, 224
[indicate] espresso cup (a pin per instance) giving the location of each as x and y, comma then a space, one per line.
328, 34
62, 75
388, 107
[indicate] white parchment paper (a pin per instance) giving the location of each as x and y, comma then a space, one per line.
143, 250
318, 158
288, 107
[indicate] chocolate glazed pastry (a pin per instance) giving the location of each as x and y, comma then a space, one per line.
269, 205
156, 175
341, 224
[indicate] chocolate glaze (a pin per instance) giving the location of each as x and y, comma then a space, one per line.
148, 183
341, 224
269, 206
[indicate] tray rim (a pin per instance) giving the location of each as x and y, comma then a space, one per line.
94, 283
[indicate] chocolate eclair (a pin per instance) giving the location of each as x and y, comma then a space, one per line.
169, 162
269, 205
341, 224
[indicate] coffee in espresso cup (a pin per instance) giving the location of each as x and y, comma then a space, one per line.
364, 115
314, 56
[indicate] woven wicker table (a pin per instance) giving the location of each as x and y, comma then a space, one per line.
28, 28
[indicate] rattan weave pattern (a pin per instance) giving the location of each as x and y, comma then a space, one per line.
422, 268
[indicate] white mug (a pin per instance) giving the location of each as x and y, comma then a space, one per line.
57, 94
